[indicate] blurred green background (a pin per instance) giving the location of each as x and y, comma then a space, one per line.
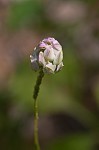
69, 100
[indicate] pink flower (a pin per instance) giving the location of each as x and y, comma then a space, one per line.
49, 55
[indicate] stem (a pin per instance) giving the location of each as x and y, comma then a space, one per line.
36, 140
35, 95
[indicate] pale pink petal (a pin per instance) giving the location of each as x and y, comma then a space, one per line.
49, 53
60, 66
41, 59
50, 68
58, 58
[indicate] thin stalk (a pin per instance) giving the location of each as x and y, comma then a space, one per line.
35, 95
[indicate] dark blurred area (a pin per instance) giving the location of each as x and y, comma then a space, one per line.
69, 100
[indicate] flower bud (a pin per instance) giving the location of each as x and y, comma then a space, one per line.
48, 55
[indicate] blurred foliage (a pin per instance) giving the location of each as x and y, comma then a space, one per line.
73, 142
25, 13
90, 2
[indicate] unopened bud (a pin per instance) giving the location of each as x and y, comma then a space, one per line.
49, 55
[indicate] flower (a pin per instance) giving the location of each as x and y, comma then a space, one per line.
48, 55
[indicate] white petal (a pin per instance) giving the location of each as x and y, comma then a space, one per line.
60, 66
50, 68
49, 53
41, 59
58, 58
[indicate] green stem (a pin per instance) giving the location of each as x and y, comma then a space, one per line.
36, 140
35, 95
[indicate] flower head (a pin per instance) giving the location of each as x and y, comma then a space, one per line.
48, 55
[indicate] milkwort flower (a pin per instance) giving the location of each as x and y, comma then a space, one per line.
48, 55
